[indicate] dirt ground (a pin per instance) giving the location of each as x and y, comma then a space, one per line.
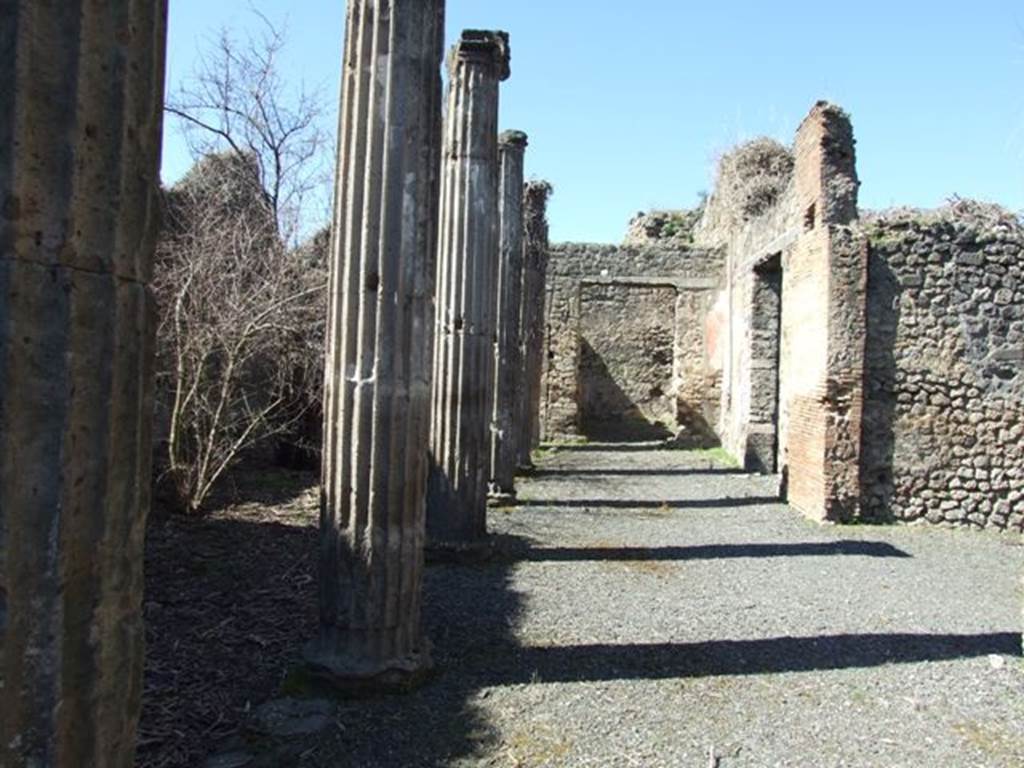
230, 600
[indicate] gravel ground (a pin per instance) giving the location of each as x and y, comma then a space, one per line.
651, 609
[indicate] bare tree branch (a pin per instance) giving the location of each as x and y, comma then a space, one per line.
239, 347
236, 100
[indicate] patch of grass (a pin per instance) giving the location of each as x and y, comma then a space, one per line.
887, 240
536, 746
718, 456
543, 452
300, 682
655, 513
554, 446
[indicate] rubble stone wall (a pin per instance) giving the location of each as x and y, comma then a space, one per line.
944, 394
644, 290
626, 371
875, 364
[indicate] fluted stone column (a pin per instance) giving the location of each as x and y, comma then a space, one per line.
377, 395
508, 350
81, 89
535, 218
466, 279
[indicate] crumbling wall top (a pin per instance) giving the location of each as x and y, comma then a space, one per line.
958, 213
826, 165
751, 179
673, 228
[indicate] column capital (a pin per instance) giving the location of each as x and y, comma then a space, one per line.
483, 46
512, 139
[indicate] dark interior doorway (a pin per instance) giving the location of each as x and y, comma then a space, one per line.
766, 335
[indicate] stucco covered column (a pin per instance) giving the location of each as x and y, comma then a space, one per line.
535, 270
508, 379
466, 284
377, 389
81, 89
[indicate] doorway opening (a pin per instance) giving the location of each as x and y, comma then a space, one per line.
762, 453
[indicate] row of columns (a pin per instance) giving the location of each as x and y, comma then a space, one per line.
467, 279
432, 296
432, 286
488, 293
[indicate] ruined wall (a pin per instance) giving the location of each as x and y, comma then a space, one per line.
795, 212
639, 288
746, 430
627, 350
944, 394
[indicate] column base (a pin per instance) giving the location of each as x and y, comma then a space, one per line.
498, 498
348, 679
459, 552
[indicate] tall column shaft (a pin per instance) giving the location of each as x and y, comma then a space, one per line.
377, 389
81, 89
466, 278
535, 217
508, 357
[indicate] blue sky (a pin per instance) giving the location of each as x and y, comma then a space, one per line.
628, 104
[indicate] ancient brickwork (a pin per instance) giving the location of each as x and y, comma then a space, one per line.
795, 219
748, 429
653, 299
944, 396
626, 371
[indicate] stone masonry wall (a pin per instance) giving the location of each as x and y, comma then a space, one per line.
641, 286
627, 350
944, 394
795, 214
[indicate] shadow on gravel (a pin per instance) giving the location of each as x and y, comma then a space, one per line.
683, 472
606, 447
593, 663
231, 599
708, 552
470, 613
722, 503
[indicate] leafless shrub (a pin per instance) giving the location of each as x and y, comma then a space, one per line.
240, 339
300, 446
237, 101
751, 179
753, 176
232, 339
